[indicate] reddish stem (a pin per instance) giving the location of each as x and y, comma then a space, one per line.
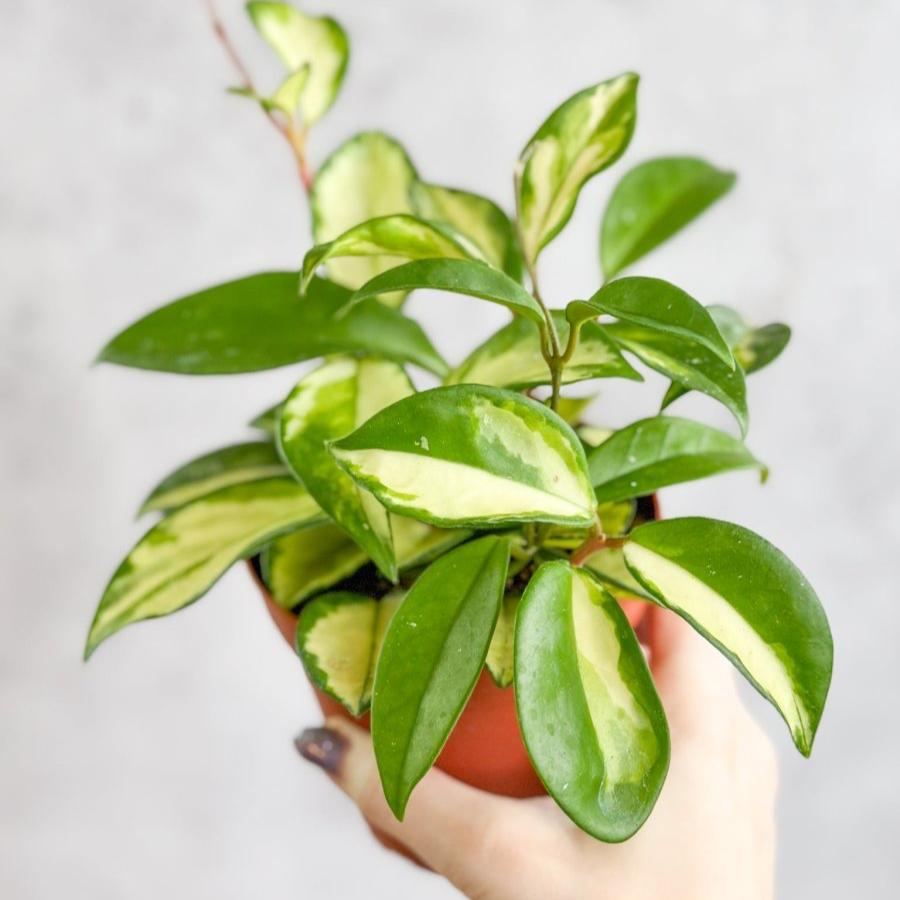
295, 138
594, 543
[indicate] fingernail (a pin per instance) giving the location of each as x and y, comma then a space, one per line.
322, 747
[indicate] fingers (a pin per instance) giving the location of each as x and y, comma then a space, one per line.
447, 823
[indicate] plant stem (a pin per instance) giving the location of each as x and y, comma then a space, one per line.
296, 137
594, 543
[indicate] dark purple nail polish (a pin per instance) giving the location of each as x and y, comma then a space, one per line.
322, 747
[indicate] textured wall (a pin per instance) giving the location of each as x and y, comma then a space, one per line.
128, 177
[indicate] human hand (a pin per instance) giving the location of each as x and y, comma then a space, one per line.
711, 835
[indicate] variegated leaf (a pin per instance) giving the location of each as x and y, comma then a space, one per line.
208, 473
590, 717
286, 98
471, 455
478, 218
368, 176
329, 403
500, 655
301, 40
589, 132
394, 238
180, 558
608, 565
747, 598
297, 565
511, 357
339, 638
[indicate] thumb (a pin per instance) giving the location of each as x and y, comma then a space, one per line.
448, 825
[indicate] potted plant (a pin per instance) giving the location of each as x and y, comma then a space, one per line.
457, 561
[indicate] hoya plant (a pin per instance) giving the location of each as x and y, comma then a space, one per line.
423, 535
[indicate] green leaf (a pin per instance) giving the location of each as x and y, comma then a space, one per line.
286, 99
571, 408
687, 363
511, 357
471, 455
616, 516
659, 305
396, 236
329, 403
589, 132
300, 40
257, 323
652, 202
339, 639
478, 218
590, 717
179, 559
593, 435
267, 420
432, 655
208, 473
753, 348
417, 544
500, 655
659, 451
608, 565
747, 598
368, 176
302, 563
458, 276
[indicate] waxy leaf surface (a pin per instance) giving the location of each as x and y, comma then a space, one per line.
297, 565
654, 201
753, 348
369, 175
396, 237
659, 305
432, 655
511, 357
315, 43
329, 403
686, 363
659, 451
458, 276
258, 323
208, 473
583, 136
590, 717
179, 559
748, 599
478, 218
471, 455
339, 639
500, 659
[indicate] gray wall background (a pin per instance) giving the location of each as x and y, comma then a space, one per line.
165, 767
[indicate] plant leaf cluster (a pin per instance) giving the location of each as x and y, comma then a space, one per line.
423, 535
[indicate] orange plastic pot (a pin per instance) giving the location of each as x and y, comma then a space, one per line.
485, 748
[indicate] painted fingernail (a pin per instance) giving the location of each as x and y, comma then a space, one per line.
322, 747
